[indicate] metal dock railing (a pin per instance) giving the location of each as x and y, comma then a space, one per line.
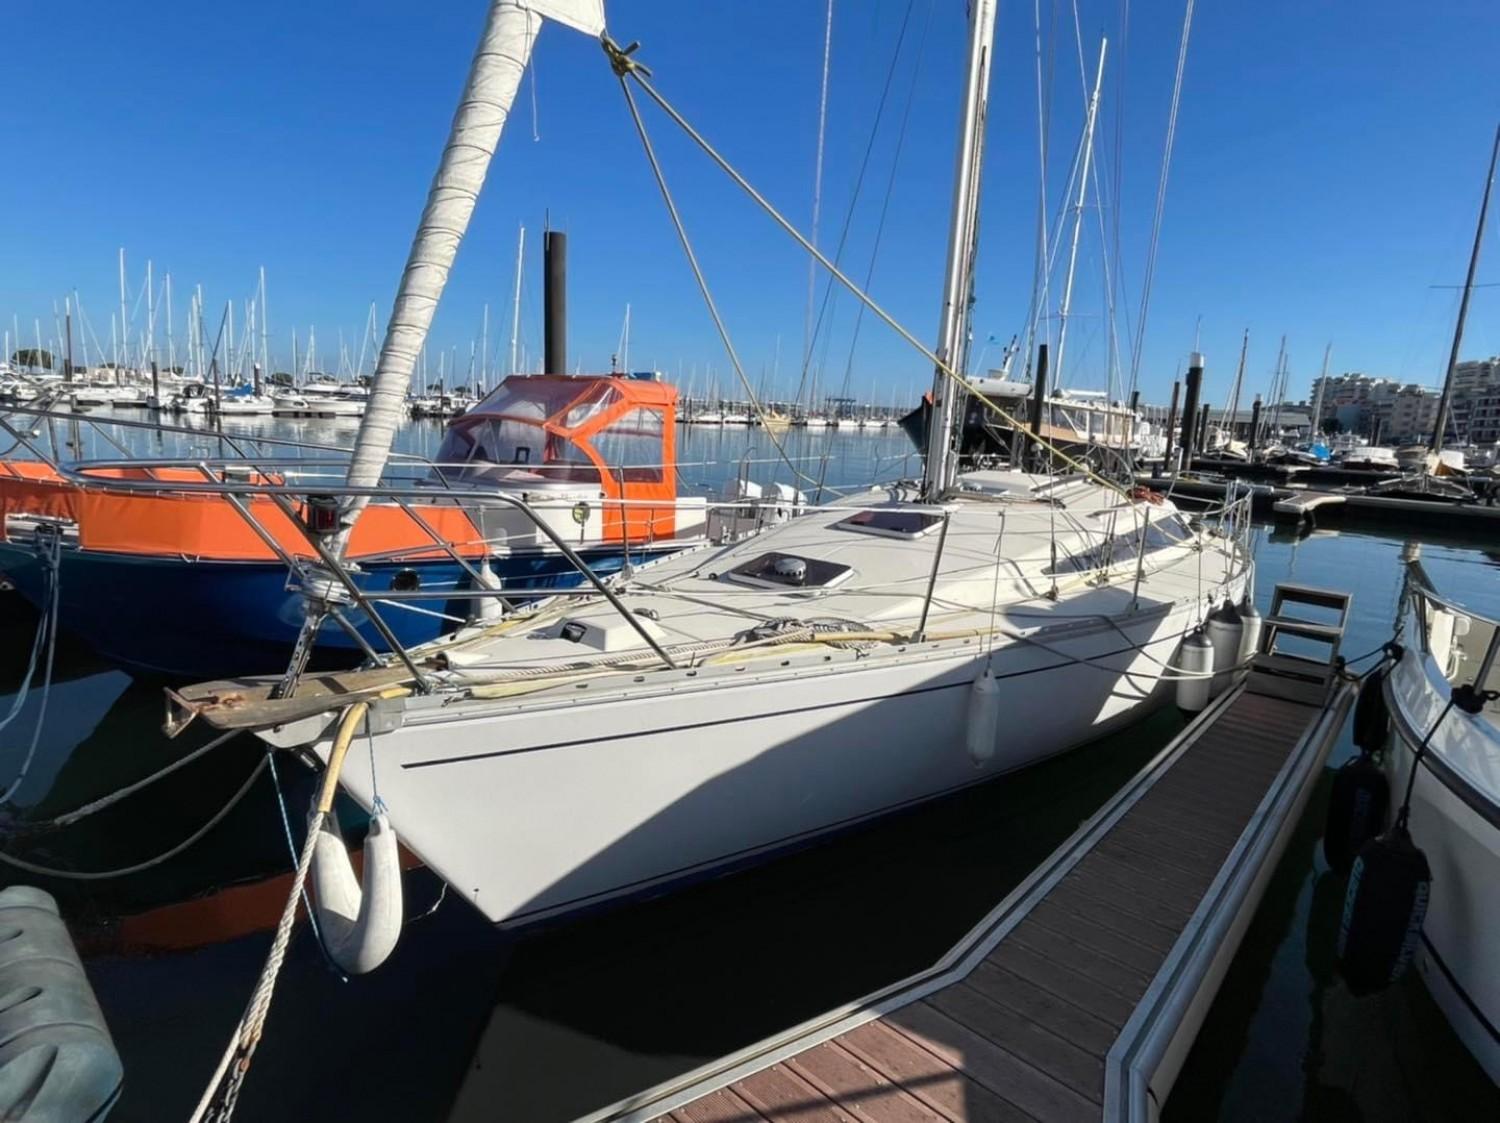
1079, 995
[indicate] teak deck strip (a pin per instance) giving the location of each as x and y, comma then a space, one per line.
1024, 1032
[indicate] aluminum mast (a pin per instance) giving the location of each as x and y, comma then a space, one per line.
958, 279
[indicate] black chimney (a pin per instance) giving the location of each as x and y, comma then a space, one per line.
1038, 404
1166, 456
555, 302
1190, 407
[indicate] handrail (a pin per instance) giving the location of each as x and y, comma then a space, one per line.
81, 473
1425, 587
937, 560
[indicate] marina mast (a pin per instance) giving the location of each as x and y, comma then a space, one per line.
1440, 423
959, 275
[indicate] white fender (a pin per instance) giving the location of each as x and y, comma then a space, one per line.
360, 924
982, 730
488, 609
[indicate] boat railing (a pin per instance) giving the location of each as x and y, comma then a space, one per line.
1464, 642
241, 481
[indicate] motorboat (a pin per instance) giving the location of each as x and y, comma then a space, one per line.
1454, 799
160, 577
243, 401
1374, 458
319, 398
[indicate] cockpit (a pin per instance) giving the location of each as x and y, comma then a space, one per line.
536, 432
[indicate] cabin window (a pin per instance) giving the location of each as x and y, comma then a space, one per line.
633, 445
594, 403
488, 441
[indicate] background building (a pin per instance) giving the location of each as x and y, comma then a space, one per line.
1406, 412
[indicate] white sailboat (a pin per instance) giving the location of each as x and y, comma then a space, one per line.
709, 709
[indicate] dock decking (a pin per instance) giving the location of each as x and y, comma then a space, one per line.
1303, 504
1079, 995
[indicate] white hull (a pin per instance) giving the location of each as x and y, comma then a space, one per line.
312, 406
1455, 819
540, 810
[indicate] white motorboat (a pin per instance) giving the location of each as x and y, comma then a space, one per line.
1455, 801
318, 400
243, 402
1375, 458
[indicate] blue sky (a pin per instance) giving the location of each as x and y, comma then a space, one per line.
1326, 176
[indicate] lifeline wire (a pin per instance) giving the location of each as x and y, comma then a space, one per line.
624, 66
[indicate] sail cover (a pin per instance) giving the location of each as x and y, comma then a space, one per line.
494, 76
586, 16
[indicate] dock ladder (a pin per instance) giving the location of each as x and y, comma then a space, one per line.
1299, 675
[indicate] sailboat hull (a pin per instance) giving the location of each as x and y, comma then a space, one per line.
535, 812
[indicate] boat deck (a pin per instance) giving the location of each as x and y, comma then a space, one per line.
1078, 996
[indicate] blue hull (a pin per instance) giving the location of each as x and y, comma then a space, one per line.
204, 619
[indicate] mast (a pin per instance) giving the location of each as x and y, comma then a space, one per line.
958, 278
484, 351
124, 353
171, 343
1280, 384
265, 327
150, 355
515, 311
1239, 378
1083, 186
1441, 423
483, 106
1317, 408
817, 199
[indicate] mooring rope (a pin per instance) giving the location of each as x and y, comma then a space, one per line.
68, 818
52, 554
222, 1094
103, 875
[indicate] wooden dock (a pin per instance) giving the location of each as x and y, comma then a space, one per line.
1349, 506
1305, 504
1079, 995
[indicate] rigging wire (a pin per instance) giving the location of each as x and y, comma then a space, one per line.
626, 67
1161, 199
885, 206
817, 201
859, 179
708, 299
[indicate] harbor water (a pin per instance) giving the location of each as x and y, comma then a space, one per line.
467, 1023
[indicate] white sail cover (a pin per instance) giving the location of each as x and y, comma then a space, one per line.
586, 16
494, 77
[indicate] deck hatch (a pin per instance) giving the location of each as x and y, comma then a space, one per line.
893, 522
789, 571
